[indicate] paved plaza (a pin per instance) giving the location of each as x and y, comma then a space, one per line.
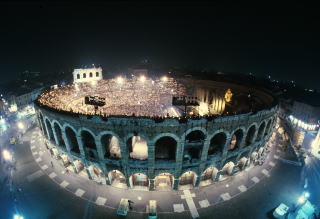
48, 188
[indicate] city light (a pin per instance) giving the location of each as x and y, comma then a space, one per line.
120, 80
6, 155
142, 78
164, 78
301, 200
302, 124
17, 216
306, 194
20, 125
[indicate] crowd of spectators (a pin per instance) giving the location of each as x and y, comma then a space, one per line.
131, 97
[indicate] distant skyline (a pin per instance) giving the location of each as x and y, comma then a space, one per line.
262, 39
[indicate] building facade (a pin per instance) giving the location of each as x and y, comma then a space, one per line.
178, 152
87, 75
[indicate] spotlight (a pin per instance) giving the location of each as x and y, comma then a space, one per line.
142, 78
164, 78
301, 200
119, 80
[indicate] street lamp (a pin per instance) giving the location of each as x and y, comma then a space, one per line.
20, 125
7, 156
302, 199
17, 216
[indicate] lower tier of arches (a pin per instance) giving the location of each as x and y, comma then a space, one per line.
162, 181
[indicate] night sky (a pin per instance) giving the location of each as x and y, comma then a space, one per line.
262, 39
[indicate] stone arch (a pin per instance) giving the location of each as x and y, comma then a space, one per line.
44, 130
236, 139
242, 163
217, 143
254, 155
84, 75
110, 146
72, 139
50, 130
250, 135
139, 180
88, 138
267, 128
208, 176
117, 179
97, 174
193, 146
165, 148
137, 147
78, 76
188, 178
195, 136
260, 131
89, 143
261, 151
227, 169
58, 131
90, 75
164, 181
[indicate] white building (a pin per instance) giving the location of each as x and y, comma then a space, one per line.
24, 98
87, 74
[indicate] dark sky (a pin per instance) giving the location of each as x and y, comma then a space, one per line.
282, 41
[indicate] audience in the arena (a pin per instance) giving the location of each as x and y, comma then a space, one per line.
132, 97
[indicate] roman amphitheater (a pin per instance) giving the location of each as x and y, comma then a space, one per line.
140, 140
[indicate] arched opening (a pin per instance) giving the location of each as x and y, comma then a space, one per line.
236, 140
84, 75
195, 136
208, 176
267, 128
260, 152
78, 76
217, 143
72, 140
58, 132
138, 148
89, 144
50, 131
96, 174
90, 75
139, 181
165, 148
54, 152
111, 147
260, 131
163, 182
66, 162
79, 167
254, 156
97, 74
44, 130
242, 163
187, 180
117, 179
88, 140
250, 135
193, 146
227, 168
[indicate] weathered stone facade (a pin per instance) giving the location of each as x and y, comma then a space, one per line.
247, 133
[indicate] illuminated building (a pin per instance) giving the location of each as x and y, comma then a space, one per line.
139, 140
87, 74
